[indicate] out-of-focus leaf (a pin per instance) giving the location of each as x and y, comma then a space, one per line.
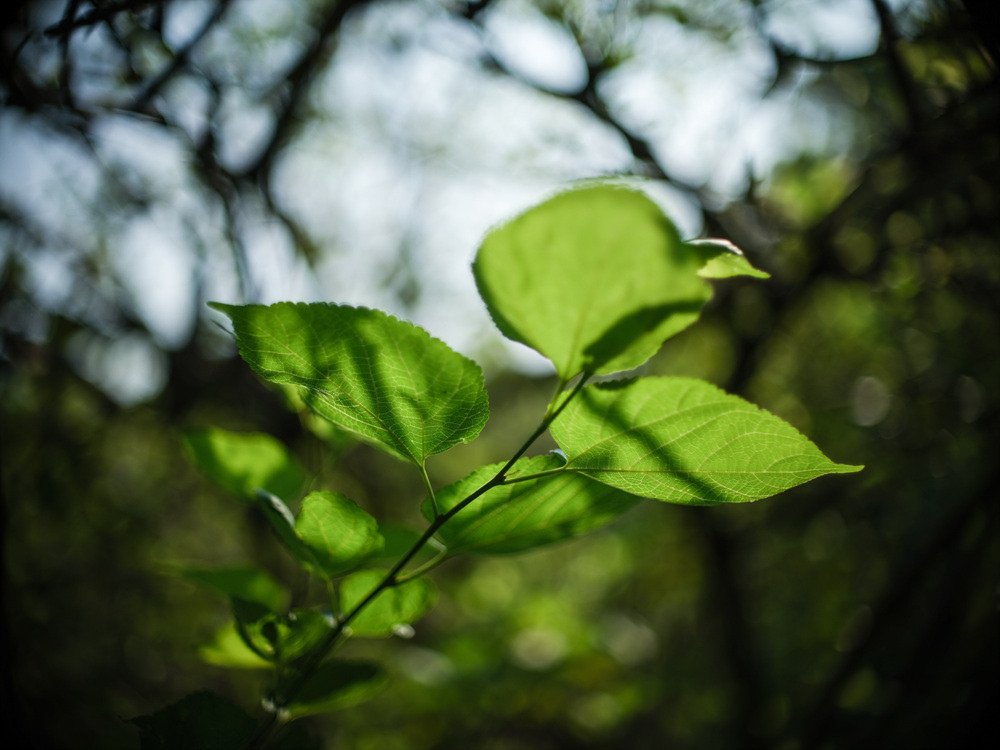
336, 684
282, 520
340, 535
685, 441
385, 380
595, 279
245, 582
301, 631
519, 516
400, 605
200, 721
228, 649
242, 462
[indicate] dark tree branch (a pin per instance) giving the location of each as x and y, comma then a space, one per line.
299, 81
99, 14
180, 58
904, 82
888, 609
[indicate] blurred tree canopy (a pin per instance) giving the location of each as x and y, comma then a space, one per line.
158, 154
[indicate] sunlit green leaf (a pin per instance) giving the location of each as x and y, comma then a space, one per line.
385, 380
200, 721
722, 259
519, 516
282, 520
228, 649
392, 608
339, 534
336, 684
684, 441
242, 462
595, 279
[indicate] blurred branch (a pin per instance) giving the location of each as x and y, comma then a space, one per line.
730, 608
590, 98
100, 13
181, 57
904, 82
298, 82
890, 608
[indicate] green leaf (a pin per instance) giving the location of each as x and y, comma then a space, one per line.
332, 535
684, 441
272, 638
523, 515
283, 522
399, 605
595, 279
302, 630
336, 684
228, 649
722, 260
383, 379
340, 535
200, 721
242, 462
245, 583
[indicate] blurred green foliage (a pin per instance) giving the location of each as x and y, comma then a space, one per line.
860, 613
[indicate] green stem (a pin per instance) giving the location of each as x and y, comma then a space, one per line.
430, 489
428, 566
536, 475
393, 577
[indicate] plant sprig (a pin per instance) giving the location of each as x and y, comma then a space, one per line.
595, 279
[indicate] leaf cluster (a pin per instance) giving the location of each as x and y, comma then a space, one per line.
595, 279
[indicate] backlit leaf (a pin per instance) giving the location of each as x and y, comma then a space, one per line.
400, 605
339, 534
523, 515
385, 380
595, 279
242, 462
685, 441
228, 649
282, 521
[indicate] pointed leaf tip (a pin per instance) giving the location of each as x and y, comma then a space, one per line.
685, 441
721, 259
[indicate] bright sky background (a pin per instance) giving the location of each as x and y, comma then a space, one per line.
410, 148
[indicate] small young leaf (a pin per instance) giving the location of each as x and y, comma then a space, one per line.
523, 515
684, 441
336, 684
400, 605
200, 721
246, 583
340, 535
283, 522
722, 260
595, 279
242, 462
387, 381
228, 649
